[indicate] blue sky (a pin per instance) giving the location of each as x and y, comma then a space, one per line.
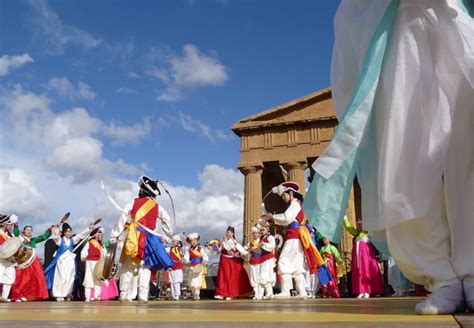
93, 90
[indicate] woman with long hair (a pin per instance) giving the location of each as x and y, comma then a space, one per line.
232, 279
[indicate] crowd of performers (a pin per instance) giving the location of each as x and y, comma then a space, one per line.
306, 258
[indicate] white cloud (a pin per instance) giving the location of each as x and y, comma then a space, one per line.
79, 158
161, 74
55, 33
196, 69
128, 134
68, 143
216, 204
66, 89
190, 70
74, 123
126, 91
27, 114
224, 135
194, 125
216, 180
84, 91
133, 75
7, 63
169, 94
18, 187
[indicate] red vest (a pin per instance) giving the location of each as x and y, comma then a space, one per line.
149, 219
3, 236
95, 250
195, 256
175, 254
292, 231
300, 216
266, 255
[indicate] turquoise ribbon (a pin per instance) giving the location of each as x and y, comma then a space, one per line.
326, 201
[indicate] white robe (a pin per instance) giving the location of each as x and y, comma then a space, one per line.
291, 260
65, 270
416, 170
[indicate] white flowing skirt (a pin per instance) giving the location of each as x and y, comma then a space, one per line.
427, 75
64, 275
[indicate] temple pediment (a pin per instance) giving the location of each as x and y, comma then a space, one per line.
316, 106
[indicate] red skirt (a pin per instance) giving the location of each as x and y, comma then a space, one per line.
232, 278
30, 283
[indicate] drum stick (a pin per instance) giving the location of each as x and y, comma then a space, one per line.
97, 221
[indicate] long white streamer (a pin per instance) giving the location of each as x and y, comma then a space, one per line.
112, 200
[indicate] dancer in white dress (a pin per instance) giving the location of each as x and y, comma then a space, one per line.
402, 84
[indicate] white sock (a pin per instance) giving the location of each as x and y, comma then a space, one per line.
6, 291
87, 293
269, 290
468, 286
445, 300
286, 284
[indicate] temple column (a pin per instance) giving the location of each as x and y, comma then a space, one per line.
296, 173
252, 197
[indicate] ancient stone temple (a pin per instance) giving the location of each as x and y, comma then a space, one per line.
279, 145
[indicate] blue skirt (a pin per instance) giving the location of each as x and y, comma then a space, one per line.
156, 256
323, 275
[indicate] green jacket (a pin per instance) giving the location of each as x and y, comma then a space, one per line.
33, 240
353, 231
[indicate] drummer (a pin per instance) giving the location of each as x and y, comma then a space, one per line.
143, 248
91, 254
195, 258
7, 270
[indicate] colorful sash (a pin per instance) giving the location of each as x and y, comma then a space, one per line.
95, 252
313, 258
133, 240
195, 256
